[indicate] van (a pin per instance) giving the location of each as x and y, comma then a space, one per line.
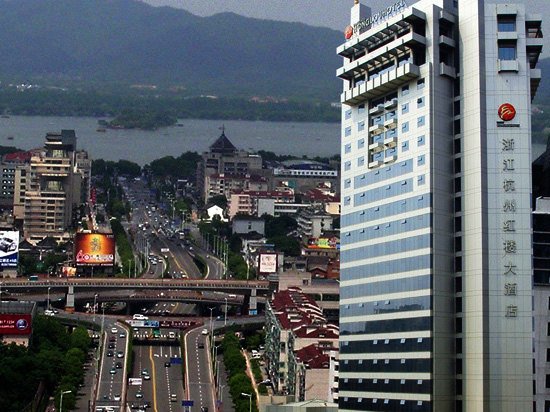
139, 316
172, 335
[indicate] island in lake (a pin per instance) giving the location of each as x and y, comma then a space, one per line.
144, 120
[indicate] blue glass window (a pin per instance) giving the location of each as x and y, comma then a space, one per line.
421, 140
420, 84
347, 131
391, 152
420, 102
347, 200
347, 114
361, 108
405, 146
347, 148
506, 23
361, 161
404, 90
421, 180
347, 183
404, 108
347, 166
360, 143
361, 126
421, 121
507, 50
421, 160
405, 127
378, 156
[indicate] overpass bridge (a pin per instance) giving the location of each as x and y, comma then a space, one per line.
143, 288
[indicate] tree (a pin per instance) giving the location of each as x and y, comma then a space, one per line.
219, 200
289, 246
279, 226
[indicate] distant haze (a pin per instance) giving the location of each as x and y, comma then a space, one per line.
325, 13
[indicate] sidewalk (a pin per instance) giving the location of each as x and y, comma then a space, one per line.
85, 396
224, 396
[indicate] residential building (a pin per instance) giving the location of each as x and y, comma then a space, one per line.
313, 222
293, 321
223, 158
9, 164
225, 184
248, 201
49, 188
248, 224
302, 175
436, 289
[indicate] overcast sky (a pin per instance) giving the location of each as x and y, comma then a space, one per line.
326, 13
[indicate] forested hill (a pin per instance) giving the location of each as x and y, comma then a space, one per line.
132, 42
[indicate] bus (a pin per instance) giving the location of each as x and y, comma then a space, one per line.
33, 278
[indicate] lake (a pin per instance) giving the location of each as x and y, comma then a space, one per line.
140, 146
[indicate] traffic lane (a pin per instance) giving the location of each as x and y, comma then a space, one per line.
140, 393
110, 384
169, 379
198, 374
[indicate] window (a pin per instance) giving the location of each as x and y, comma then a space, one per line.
347, 166
347, 114
421, 140
421, 160
347, 131
405, 127
361, 143
361, 109
420, 84
421, 121
547, 354
405, 108
507, 50
420, 102
547, 381
361, 126
506, 23
421, 180
405, 146
347, 183
347, 148
361, 161
404, 90
347, 200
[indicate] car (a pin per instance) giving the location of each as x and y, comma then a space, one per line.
118, 365
114, 330
121, 335
49, 312
205, 332
200, 345
173, 397
112, 339
116, 397
110, 354
146, 377
172, 335
204, 408
139, 394
7, 244
112, 371
111, 345
166, 364
120, 354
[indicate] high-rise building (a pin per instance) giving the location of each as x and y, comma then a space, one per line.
48, 189
435, 297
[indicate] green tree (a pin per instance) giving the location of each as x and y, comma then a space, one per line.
289, 246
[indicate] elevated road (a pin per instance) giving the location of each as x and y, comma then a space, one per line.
227, 286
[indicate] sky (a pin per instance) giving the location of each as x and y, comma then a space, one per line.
325, 13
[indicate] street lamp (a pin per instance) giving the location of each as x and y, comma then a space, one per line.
61, 401
48, 300
211, 330
225, 314
249, 396
95, 303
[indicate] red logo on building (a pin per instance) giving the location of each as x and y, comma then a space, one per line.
348, 32
506, 112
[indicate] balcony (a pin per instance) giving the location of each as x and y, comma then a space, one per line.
376, 128
389, 159
390, 123
376, 146
381, 85
446, 70
535, 76
390, 104
375, 163
390, 141
446, 41
376, 110
508, 65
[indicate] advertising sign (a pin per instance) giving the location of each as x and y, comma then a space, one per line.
15, 324
268, 262
68, 271
9, 248
323, 243
94, 249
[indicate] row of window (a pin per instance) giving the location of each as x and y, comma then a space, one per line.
387, 267
386, 248
385, 365
385, 405
382, 193
386, 345
381, 174
386, 385
421, 282
386, 306
388, 228
387, 210
386, 326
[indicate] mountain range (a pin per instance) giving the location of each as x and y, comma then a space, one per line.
131, 42
127, 42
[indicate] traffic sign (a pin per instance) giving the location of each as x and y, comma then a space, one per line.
187, 402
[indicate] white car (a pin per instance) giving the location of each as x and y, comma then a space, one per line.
49, 312
139, 316
114, 330
116, 397
205, 332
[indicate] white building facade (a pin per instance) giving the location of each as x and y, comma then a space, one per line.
435, 309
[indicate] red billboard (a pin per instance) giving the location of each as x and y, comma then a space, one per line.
15, 324
94, 249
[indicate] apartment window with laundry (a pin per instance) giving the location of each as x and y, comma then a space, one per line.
507, 50
506, 23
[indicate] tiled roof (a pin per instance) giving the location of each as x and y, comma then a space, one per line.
313, 357
17, 157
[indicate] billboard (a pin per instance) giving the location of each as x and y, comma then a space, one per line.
9, 248
323, 243
15, 324
268, 262
94, 249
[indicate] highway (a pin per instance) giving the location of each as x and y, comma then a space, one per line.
200, 387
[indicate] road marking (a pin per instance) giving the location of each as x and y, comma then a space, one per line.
154, 379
